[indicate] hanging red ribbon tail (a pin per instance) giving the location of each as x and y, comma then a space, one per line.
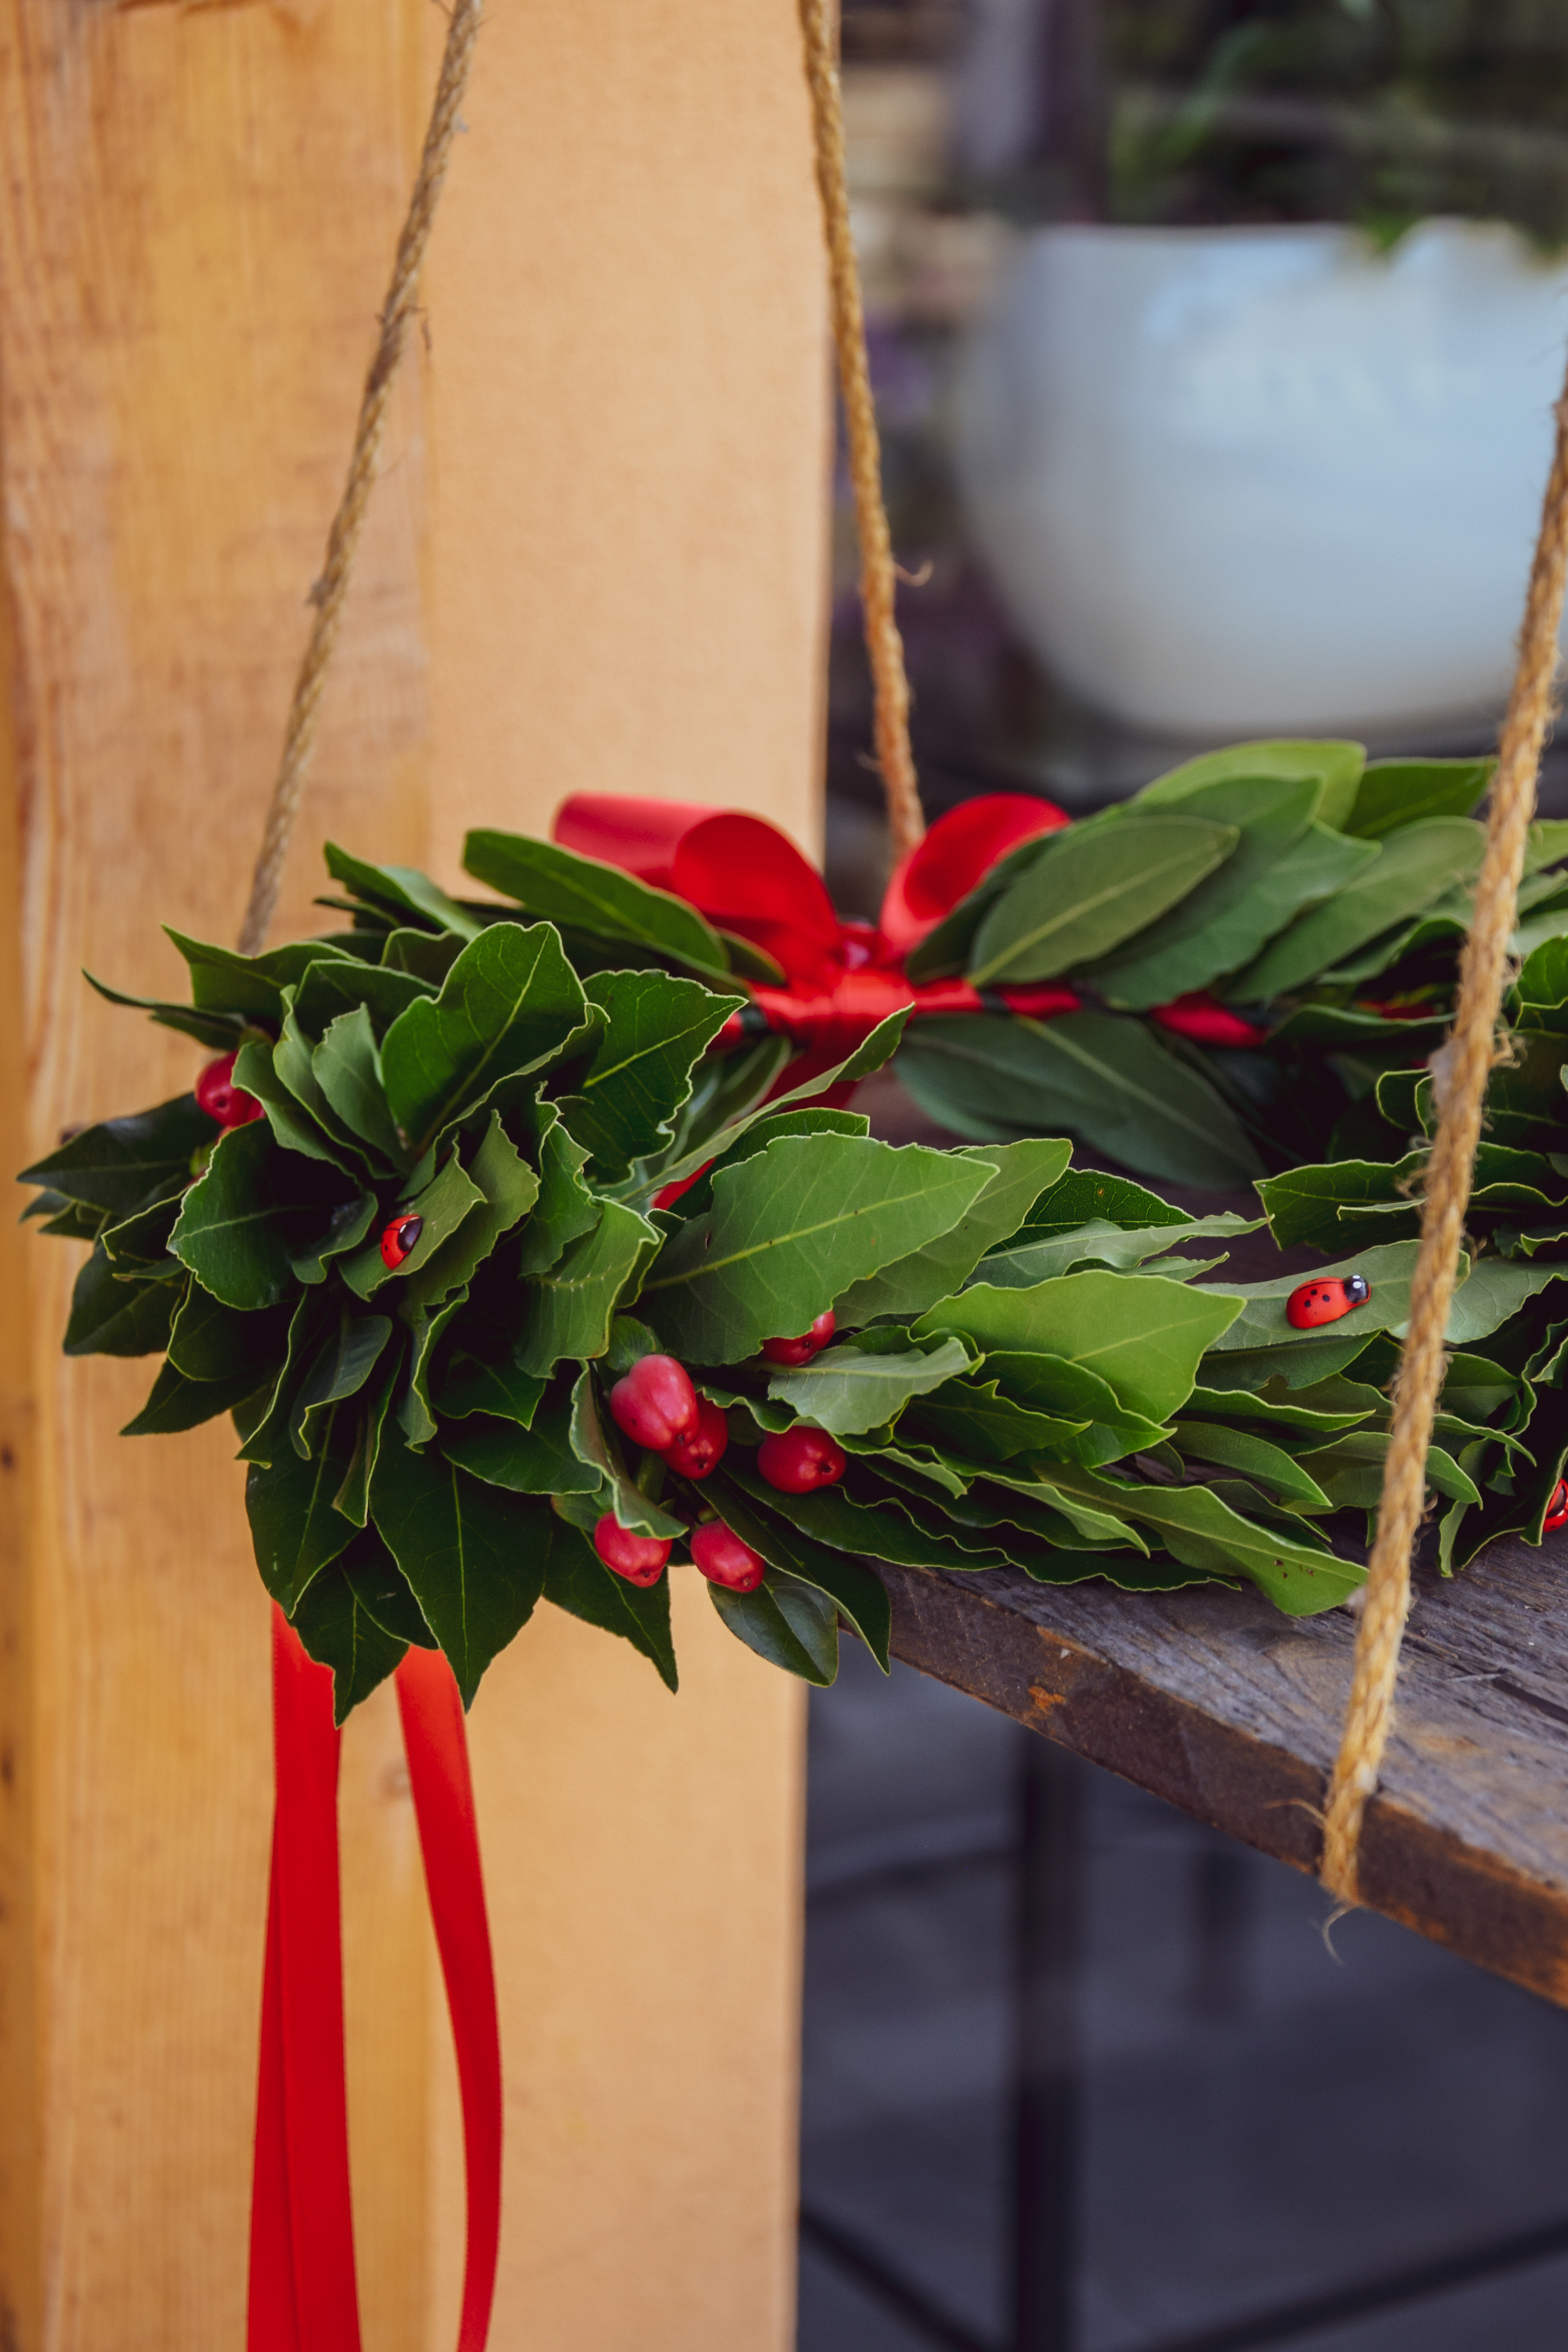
302, 2292
437, 1749
303, 2296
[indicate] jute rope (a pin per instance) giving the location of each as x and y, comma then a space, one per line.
343, 540
1461, 1072
818, 20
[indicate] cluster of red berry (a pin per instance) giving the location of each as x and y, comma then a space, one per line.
657, 1407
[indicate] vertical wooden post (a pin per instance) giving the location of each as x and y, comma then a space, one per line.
596, 557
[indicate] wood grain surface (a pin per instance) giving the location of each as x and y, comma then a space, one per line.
1212, 1700
580, 573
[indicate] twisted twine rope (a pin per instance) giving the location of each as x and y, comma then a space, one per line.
818, 20
343, 540
1467, 1061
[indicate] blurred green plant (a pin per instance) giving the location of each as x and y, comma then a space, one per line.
1377, 111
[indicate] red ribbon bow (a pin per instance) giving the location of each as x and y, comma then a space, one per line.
842, 978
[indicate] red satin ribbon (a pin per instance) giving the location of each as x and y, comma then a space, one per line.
842, 978
303, 2296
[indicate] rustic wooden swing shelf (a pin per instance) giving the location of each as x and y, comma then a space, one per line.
1211, 1700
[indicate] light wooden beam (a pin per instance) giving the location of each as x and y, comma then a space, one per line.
596, 557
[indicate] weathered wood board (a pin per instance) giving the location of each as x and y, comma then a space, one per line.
1212, 1700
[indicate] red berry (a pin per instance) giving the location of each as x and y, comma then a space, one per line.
1198, 1016
810, 1343
655, 1403
703, 1448
725, 1560
799, 1459
1557, 1508
401, 1237
1325, 1302
639, 1559
221, 1098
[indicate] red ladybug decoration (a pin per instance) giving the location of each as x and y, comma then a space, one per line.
400, 1237
1557, 1508
1326, 1301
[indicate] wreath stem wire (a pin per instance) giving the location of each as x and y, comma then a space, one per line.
1461, 1070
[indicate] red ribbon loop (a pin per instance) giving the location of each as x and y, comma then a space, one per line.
303, 2296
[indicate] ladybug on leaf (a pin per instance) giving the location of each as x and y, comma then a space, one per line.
1326, 1300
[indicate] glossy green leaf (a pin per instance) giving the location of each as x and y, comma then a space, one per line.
596, 1447
471, 1383
815, 1119
846, 1388
346, 1066
1203, 1532
1142, 1334
1303, 1205
337, 1631
1105, 1428
1335, 764
562, 888
1413, 867
577, 1581
868, 1055
925, 1539
219, 1032
269, 1430
534, 1460
791, 1230
1225, 921
294, 1528
225, 981
346, 1229
566, 1208
1396, 793
749, 1505
296, 1127
209, 1341
177, 1403
383, 1591
656, 1029
570, 1308
254, 1212
123, 1163
1030, 1261
509, 1002
109, 1316
402, 889
445, 1205
1092, 889
910, 1284
329, 989
791, 1625
509, 1188
1100, 1075
372, 1412
426, 1327
1255, 1457
474, 1555
975, 1420
428, 955
340, 1369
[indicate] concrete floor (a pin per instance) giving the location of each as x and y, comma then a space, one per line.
1264, 2121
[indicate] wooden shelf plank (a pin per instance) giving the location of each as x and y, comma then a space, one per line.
1213, 1701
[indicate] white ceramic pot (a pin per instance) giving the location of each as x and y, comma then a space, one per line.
1235, 481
